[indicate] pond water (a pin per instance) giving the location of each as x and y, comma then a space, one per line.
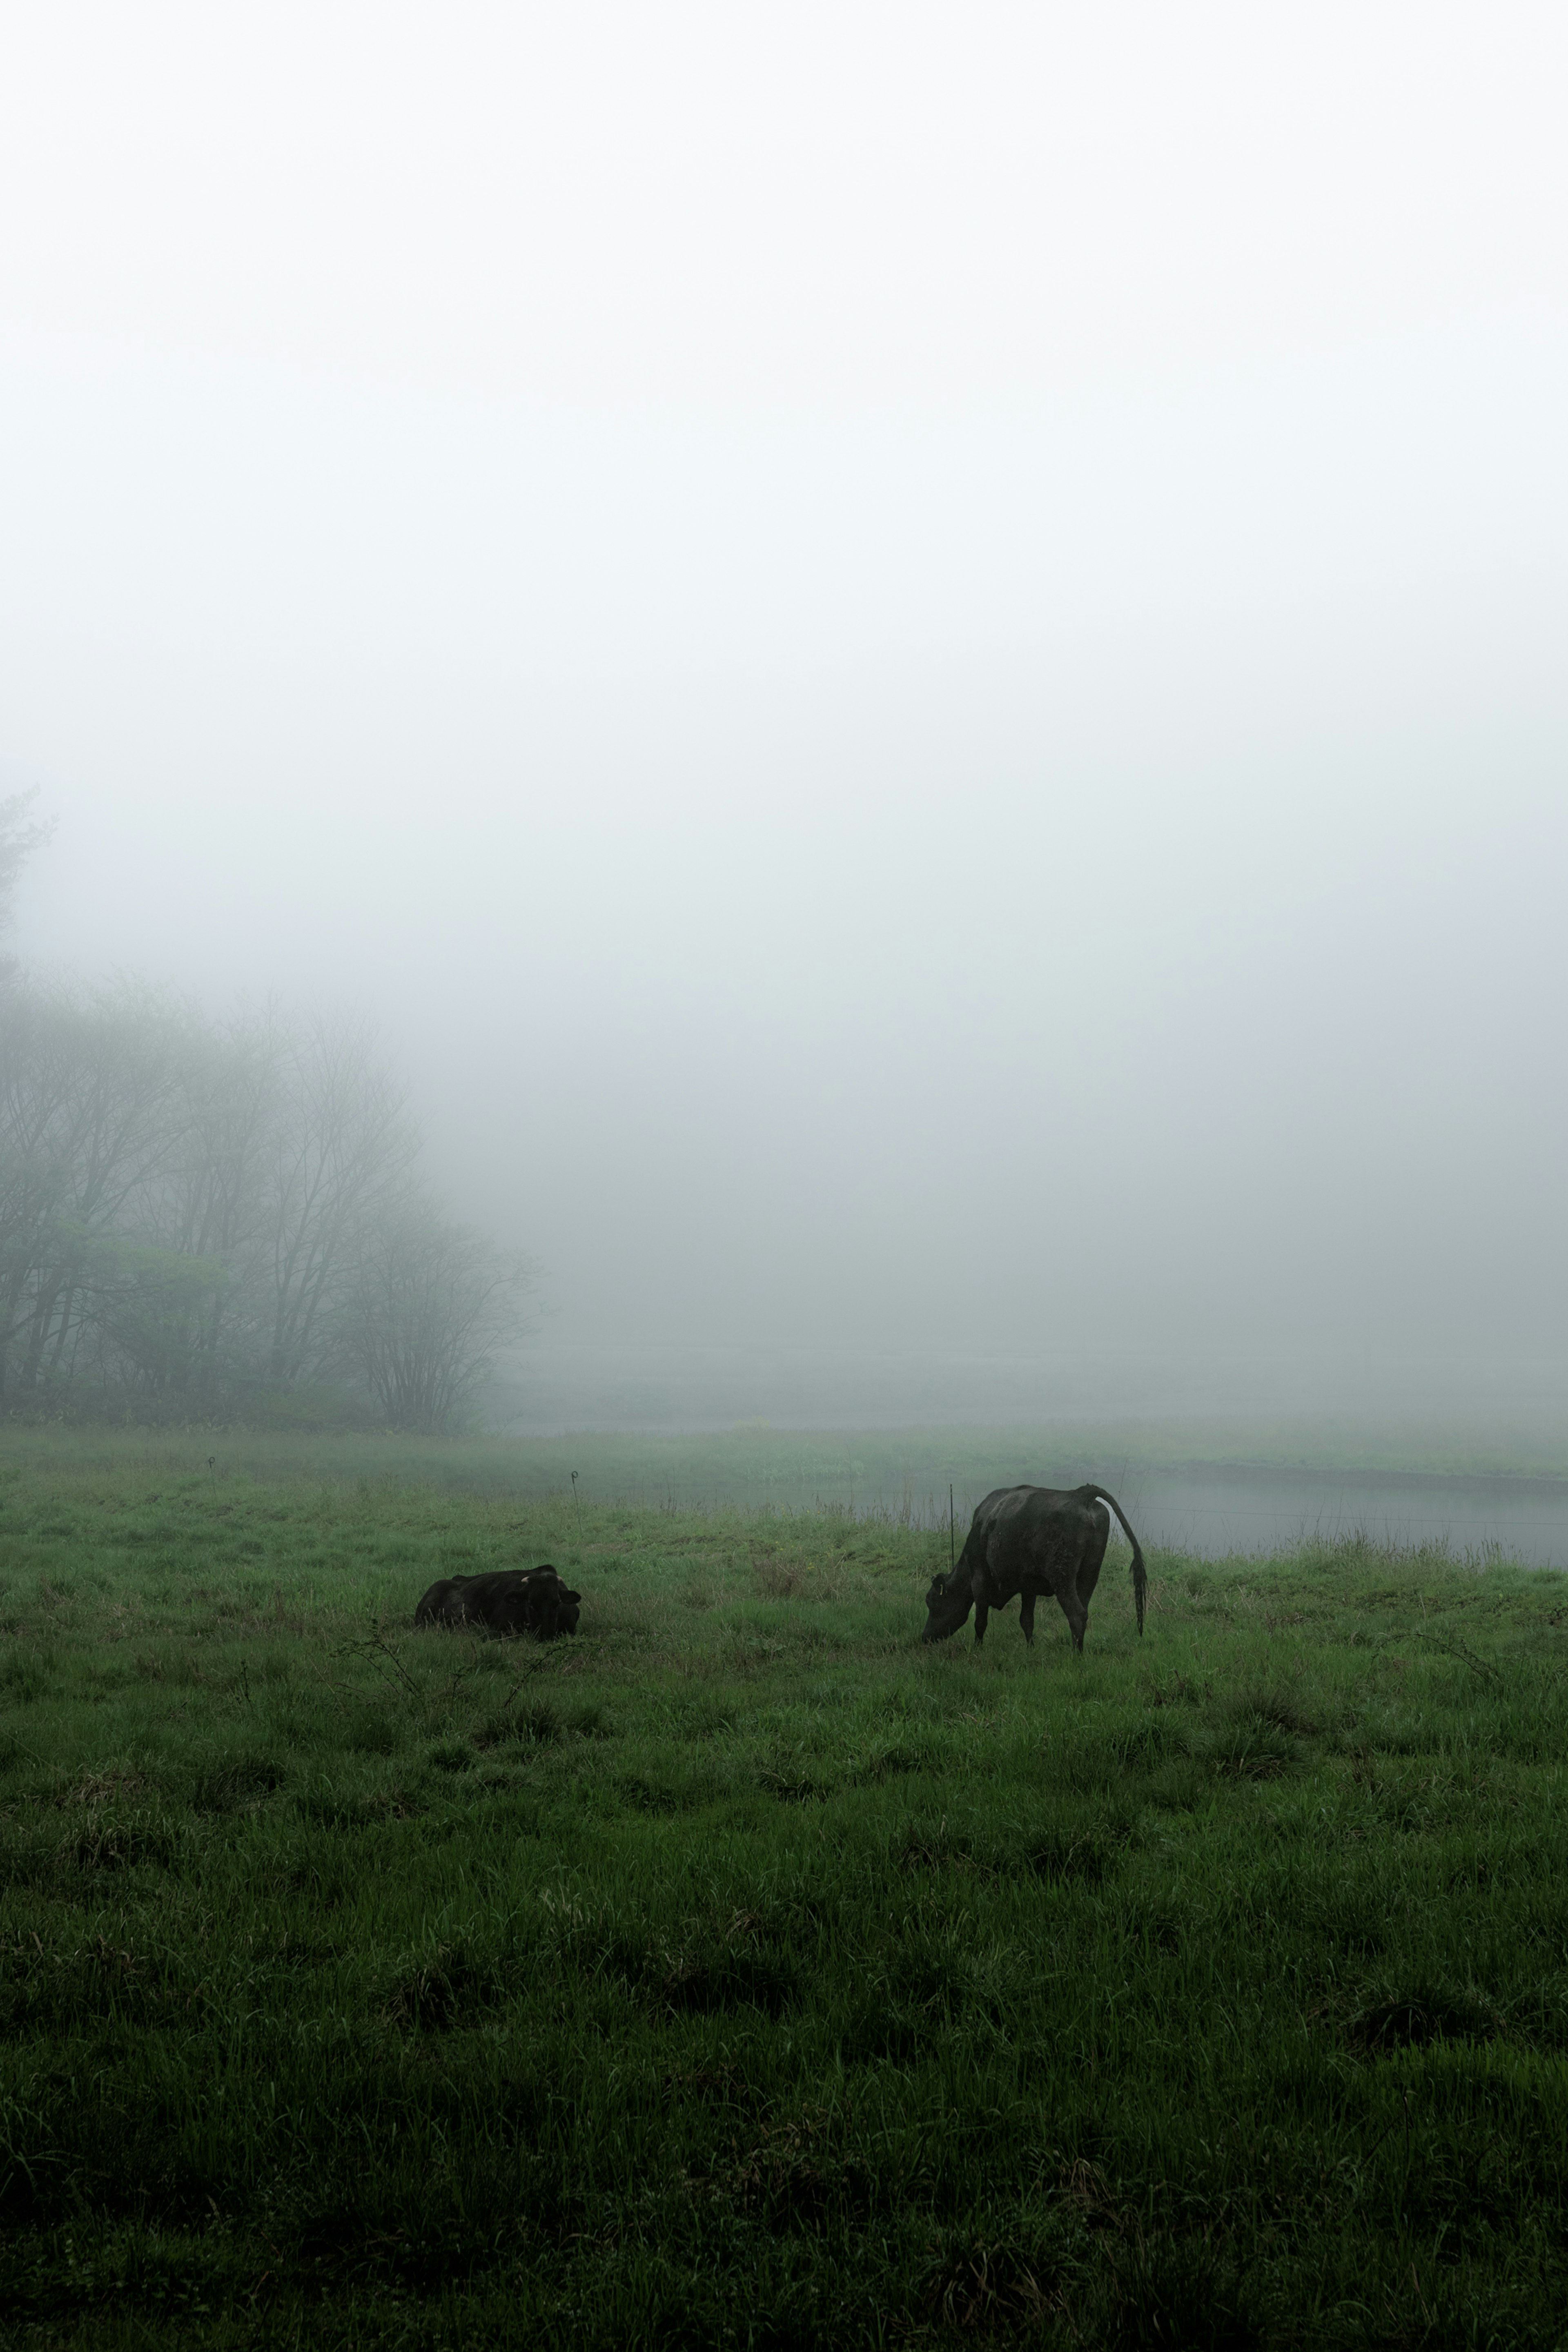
1216, 1512
1212, 1509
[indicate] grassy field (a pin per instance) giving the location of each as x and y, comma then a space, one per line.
742, 1973
906, 1472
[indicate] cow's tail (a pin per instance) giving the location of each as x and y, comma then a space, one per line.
1140, 1573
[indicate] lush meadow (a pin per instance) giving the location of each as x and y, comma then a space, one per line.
742, 1972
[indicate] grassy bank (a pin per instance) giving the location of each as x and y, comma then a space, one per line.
743, 1973
904, 1472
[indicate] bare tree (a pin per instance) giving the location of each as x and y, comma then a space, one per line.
429, 1308
193, 1216
175, 1309
90, 1113
214, 1208
18, 839
343, 1145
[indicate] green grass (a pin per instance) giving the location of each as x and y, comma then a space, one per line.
904, 1471
742, 1972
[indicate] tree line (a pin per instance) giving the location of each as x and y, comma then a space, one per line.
204, 1219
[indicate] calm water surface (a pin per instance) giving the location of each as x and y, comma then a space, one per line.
1211, 1510
1216, 1512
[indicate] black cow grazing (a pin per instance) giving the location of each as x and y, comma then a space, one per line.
509, 1601
1031, 1539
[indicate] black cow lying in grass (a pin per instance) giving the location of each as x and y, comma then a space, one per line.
509, 1601
1031, 1539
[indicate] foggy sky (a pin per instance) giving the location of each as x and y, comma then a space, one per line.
916, 657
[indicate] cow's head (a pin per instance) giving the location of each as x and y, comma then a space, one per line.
948, 1604
509, 1609
553, 1607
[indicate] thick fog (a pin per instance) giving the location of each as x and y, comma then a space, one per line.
915, 658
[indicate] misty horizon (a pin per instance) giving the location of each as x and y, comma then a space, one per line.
951, 830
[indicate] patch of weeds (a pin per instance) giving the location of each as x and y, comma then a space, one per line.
1070, 1857
25, 1676
750, 1657
1408, 1812
1176, 1788
231, 1781
452, 1756
790, 2180
643, 1793
1154, 1926
115, 1841
645, 1796
1251, 1750
718, 2087
1179, 1691
779, 1580
927, 1846
536, 1722
321, 1803
1148, 1745
1449, 1645
391, 1805
1280, 1710
890, 1764
791, 1785
1081, 2185
435, 1994
881, 2032
989, 2290
713, 1969
703, 1717
533, 1722
1182, 2294
370, 1731
102, 1788
699, 1983
1425, 2014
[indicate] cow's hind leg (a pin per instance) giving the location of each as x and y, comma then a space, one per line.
1074, 1612
1089, 1560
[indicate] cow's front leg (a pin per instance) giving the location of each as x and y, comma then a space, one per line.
1026, 1617
982, 1613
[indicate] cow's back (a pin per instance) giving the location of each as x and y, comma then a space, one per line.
1038, 1535
506, 1601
